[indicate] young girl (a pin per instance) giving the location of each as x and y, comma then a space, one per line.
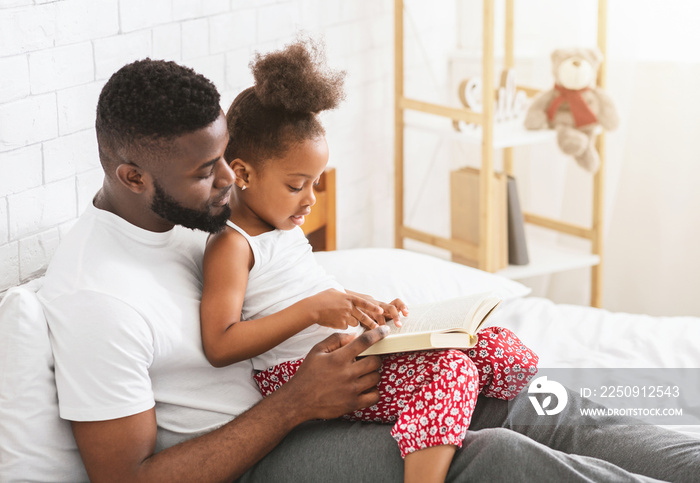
266, 299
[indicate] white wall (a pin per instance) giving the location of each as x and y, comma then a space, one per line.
652, 223
55, 56
651, 260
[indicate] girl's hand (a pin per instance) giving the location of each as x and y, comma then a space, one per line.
390, 311
396, 308
338, 310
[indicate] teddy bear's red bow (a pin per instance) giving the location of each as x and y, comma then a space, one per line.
582, 114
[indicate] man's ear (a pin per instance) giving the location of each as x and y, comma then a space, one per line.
242, 171
132, 177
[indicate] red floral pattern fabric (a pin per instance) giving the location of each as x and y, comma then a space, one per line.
430, 395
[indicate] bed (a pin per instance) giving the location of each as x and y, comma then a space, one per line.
565, 337
623, 361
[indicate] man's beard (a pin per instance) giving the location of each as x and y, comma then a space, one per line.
168, 208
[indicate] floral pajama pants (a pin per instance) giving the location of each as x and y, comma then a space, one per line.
430, 395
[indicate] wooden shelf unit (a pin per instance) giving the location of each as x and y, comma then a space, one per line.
545, 260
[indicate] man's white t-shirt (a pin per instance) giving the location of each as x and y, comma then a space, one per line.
122, 305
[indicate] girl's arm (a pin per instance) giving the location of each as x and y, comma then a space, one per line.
226, 339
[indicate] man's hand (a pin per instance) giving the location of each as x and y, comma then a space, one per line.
338, 310
332, 381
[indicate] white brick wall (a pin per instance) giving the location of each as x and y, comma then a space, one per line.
4, 228
41, 208
35, 252
9, 254
139, 15
197, 34
53, 69
166, 42
55, 56
76, 107
231, 30
68, 156
22, 169
15, 78
28, 121
27, 29
113, 52
85, 20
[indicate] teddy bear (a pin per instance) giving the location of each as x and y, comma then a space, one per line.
574, 107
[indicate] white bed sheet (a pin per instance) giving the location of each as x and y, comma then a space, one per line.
585, 337
577, 336
564, 336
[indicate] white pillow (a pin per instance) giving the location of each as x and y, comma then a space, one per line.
35, 444
388, 273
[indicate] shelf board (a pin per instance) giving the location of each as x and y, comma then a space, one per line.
506, 133
548, 257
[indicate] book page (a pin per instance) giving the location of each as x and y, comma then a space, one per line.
458, 313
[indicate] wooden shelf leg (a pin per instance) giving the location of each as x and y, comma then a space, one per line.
398, 123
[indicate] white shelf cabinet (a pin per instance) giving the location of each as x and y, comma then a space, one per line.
507, 134
548, 257
545, 258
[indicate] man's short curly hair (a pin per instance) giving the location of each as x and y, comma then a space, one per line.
291, 87
153, 100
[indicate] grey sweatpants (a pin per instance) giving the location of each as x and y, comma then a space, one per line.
493, 450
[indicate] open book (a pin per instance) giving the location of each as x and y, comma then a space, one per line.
446, 324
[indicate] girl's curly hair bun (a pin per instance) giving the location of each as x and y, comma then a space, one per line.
297, 79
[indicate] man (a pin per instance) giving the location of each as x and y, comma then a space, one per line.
122, 300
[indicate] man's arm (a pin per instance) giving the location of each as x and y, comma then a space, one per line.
329, 383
